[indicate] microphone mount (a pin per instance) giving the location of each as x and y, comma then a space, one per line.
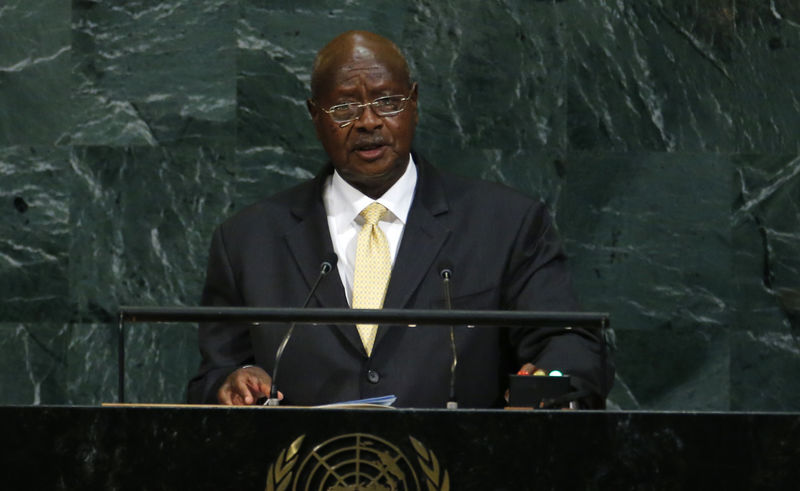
324, 268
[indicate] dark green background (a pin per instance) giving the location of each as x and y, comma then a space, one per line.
662, 133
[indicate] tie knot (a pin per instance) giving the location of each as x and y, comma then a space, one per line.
373, 213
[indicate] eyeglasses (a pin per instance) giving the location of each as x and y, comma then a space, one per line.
389, 105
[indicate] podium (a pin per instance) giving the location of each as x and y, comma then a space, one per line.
320, 316
205, 448
281, 448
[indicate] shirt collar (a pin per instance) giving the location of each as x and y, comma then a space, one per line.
349, 201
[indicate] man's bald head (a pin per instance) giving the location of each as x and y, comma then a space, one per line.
353, 47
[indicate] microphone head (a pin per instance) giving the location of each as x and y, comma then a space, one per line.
445, 269
329, 259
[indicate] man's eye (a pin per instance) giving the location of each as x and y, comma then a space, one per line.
342, 110
387, 103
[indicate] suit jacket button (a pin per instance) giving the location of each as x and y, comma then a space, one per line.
373, 376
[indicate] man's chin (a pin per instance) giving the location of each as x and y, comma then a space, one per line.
375, 168
379, 175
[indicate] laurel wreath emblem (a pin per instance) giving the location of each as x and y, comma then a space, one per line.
436, 479
279, 475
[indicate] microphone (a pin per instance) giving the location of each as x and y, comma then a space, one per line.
324, 268
446, 274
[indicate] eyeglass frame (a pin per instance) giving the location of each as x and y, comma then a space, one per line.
361, 107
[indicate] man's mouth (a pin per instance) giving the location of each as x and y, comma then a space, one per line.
370, 151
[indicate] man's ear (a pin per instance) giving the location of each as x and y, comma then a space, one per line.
414, 98
313, 110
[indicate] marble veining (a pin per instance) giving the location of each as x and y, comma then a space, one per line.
661, 134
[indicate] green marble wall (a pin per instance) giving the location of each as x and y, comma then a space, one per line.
663, 134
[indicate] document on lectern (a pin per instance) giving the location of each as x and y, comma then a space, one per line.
381, 401
371, 402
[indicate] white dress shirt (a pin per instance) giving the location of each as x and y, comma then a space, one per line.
343, 205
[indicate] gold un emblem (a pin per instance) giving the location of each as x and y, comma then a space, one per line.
356, 462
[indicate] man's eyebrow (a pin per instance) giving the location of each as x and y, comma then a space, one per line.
347, 92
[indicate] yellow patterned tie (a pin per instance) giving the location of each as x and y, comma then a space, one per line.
373, 268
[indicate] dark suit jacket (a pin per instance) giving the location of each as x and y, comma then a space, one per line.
504, 253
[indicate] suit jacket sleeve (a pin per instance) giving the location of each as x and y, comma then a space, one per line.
539, 281
223, 347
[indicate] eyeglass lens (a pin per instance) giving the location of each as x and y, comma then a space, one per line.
383, 106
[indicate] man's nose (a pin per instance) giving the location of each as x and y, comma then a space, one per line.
369, 120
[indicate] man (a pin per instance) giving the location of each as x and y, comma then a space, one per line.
501, 247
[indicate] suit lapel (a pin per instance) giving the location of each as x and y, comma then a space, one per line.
310, 244
424, 235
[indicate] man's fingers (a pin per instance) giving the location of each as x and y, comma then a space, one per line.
257, 387
263, 389
228, 395
224, 394
235, 392
244, 386
241, 386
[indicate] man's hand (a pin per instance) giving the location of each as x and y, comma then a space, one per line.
527, 369
245, 386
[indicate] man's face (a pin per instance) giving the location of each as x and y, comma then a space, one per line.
370, 153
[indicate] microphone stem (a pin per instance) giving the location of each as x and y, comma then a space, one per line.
451, 402
273, 391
